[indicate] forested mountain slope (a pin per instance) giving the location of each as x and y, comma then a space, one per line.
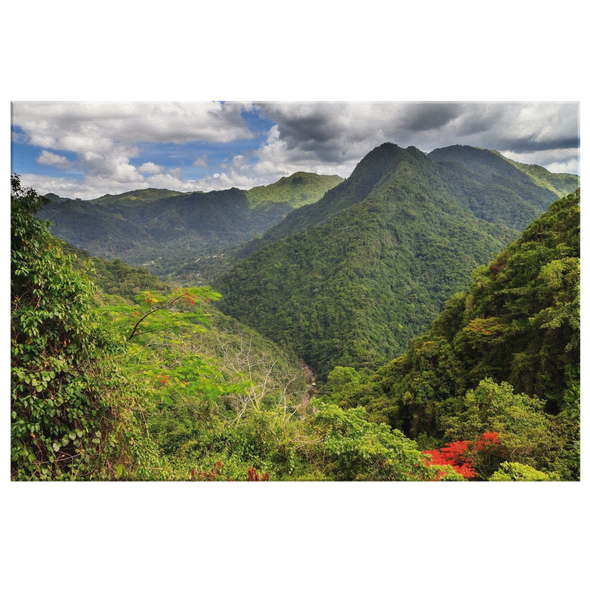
491, 186
381, 254
165, 229
519, 322
498, 189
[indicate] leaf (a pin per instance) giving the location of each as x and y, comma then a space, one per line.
119, 470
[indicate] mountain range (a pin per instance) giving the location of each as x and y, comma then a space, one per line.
460, 265
343, 272
350, 279
165, 229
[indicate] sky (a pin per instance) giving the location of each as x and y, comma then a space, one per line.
88, 149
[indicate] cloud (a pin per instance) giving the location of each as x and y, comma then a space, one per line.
85, 125
201, 162
150, 168
104, 135
90, 187
55, 160
340, 133
321, 137
558, 160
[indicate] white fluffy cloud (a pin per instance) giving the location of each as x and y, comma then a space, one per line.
55, 160
103, 135
81, 126
341, 133
321, 137
150, 168
331, 138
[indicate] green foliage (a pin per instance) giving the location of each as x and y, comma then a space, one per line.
517, 472
70, 418
181, 236
225, 397
380, 254
115, 277
527, 434
324, 442
137, 380
519, 323
351, 448
342, 381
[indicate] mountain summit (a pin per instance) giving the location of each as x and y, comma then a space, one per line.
349, 280
167, 229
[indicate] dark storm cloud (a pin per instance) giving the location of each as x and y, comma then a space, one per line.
427, 116
525, 146
340, 133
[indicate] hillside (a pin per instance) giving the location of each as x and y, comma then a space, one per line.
301, 188
165, 230
518, 323
498, 189
373, 263
491, 186
119, 286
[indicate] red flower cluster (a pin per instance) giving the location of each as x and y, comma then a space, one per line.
164, 379
188, 299
486, 440
454, 454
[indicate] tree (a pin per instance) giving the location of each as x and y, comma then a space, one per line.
342, 381
525, 433
518, 472
68, 419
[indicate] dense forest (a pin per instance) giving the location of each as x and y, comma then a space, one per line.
183, 236
504, 356
418, 321
352, 278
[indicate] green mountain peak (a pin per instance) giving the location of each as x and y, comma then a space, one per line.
352, 278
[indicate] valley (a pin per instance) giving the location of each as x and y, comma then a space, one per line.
317, 328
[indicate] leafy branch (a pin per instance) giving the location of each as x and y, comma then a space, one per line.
186, 296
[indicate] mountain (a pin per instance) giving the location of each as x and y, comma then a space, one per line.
498, 189
351, 279
519, 322
165, 229
301, 188
146, 194
492, 187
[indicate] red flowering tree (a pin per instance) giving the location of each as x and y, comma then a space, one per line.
461, 455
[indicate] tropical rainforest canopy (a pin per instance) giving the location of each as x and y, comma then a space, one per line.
417, 321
